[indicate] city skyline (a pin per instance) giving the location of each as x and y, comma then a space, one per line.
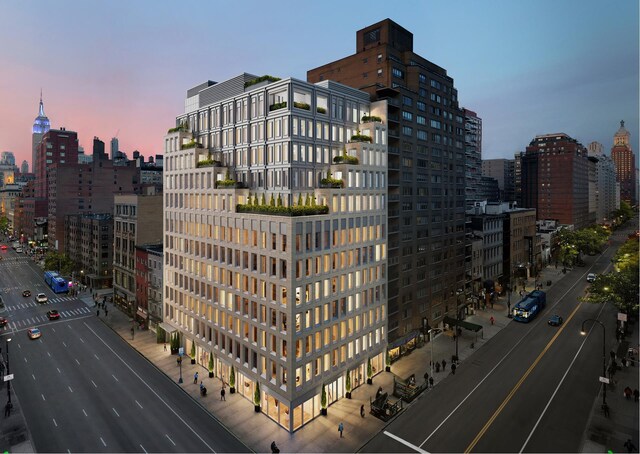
120, 69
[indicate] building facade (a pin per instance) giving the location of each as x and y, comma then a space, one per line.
555, 179
149, 284
473, 157
503, 171
605, 177
89, 238
275, 238
426, 174
625, 161
137, 221
57, 147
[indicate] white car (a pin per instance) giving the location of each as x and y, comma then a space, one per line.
591, 277
41, 298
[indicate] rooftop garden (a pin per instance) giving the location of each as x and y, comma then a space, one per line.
321, 110
181, 127
301, 105
330, 182
258, 205
368, 118
278, 105
257, 80
346, 159
190, 144
357, 137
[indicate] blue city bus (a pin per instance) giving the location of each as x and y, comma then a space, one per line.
56, 282
529, 306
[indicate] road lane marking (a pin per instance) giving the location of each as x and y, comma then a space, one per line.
54, 422
49, 354
166, 435
158, 396
521, 381
103, 442
526, 442
138, 404
25, 359
63, 343
114, 410
96, 357
142, 447
70, 388
404, 442
77, 361
85, 413
54, 330
82, 340
116, 378
43, 397
33, 376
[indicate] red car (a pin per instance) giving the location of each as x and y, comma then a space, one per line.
53, 315
3, 322
3, 247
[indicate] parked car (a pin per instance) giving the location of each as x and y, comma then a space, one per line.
41, 298
3, 322
53, 314
3, 247
555, 320
34, 333
591, 277
26, 293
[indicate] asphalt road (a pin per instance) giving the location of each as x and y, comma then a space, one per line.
529, 389
83, 389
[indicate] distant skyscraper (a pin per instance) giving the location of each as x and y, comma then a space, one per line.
8, 158
24, 168
503, 170
115, 148
40, 126
98, 149
605, 183
625, 161
555, 179
58, 146
473, 155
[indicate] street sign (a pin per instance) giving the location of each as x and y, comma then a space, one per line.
604, 380
622, 316
181, 351
8, 377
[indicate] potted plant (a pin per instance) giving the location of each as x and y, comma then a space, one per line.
388, 362
348, 385
369, 372
256, 398
232, 381
323, 401
192, 353
175, 344
210, 365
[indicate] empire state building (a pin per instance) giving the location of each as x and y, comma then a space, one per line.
40, 127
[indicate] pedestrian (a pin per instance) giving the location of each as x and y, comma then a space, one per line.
362, 411
453, 369
274, 448
133, 333
195, 378
98, 312
431, 382
636, 395
106, 312
444, 365
7, 409
627, 393
629, 445
165, 346
201, 386
340, 429
222, 393
379, 392
605, 409
426, 376
492, 320
624, 362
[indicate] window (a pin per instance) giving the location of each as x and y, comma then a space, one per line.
422, 78
379, 72
436, 98
435, 124
422, 135
421, 106
380, 59
435, 84
408, 116
407, 130
407, 101
397, 73
421, 120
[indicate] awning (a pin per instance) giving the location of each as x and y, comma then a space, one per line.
168, 328
462, 324
404, 339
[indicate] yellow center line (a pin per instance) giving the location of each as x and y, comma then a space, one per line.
520, 382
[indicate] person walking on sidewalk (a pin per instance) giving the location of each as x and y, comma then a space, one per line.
340, 428
195, 378
222, 393
629, 445
362, 411
444, 365
453, 369
492, 320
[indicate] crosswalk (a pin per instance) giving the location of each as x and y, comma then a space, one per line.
30, 303
39, 319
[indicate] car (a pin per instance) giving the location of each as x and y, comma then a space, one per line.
591, 277
3, 247
41, 298
53, 314
3, 322
26, 293
34, 333
555, 320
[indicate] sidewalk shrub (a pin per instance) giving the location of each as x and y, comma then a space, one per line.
256, 398
323, 400
210, 365
175, 343
232, 380
369, 372
160, 335
192, 353
347, 385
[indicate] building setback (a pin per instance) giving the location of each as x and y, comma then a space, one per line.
426, 175
275, 238
625, 161
555, 179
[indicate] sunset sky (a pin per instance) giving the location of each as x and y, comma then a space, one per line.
123, 67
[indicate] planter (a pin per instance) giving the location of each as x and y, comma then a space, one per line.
193, 360
348, 395
387, 368
232, 390
174, 351
323, 411
210, 374
369, 381
256, 408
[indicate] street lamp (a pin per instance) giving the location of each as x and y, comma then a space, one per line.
431, 342
604, 355
8, 373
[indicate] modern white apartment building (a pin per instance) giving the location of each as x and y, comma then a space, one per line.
275, 246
